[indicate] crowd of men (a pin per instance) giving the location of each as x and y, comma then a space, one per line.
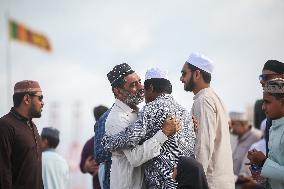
161, 145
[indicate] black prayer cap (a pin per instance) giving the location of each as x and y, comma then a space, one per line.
50, 132
275, 66
118, 73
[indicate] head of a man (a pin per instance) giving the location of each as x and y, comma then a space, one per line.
126, 85
272, 69
239, 123
273, 98
156, 83
28, 98
99, 111
49, 138
196, 73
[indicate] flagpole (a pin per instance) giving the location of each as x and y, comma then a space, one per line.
8, 63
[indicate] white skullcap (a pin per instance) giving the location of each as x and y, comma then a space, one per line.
156, 73
200, 61
238, 116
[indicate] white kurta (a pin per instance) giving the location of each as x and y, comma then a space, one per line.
55, 171
213, 149
126, 172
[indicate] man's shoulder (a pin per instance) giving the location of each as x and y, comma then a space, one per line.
6, 122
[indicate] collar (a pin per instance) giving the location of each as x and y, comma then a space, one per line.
277, 122
124, 106
201, 92
19, 116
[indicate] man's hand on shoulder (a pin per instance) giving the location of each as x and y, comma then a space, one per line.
171, 125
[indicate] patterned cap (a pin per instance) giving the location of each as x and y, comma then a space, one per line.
119, 72
275, 86
26, 86
50, 132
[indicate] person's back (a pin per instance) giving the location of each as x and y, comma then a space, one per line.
55, 171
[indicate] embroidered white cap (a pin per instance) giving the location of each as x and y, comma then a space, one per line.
156, 73
200, 61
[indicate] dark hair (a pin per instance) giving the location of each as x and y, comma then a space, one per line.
160, 85
206, 76
275, 66
18, 97
259, 114
121, 81
52, 141
99, 111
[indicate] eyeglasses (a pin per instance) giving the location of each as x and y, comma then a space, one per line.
266, 77
40, 97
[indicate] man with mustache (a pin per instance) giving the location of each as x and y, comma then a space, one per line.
20, 153
126, 172
159, 104
213, 149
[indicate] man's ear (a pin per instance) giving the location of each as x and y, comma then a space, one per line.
26, 99
197, 74
117, 92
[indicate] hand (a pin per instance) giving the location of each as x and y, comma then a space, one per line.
243, 179
256, 157
174, 173
195, 123
91, 166
171, 125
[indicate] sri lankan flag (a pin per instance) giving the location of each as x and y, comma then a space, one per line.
20, 32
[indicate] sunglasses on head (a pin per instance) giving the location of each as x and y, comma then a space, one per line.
266, 77
40, 97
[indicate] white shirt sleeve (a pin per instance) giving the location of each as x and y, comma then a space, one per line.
272, 170
148, 150
206, 133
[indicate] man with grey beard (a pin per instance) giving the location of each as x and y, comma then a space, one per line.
126, 171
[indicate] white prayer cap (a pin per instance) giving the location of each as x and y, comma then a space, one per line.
238, 116
156, 73
200, 61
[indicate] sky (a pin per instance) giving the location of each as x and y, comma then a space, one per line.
89, 37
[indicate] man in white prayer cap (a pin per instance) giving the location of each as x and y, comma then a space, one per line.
126, 170
159, 104
213, 149
247, 135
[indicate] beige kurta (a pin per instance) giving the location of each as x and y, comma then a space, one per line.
213, 149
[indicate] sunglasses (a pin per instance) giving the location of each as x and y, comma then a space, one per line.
266, 77
40, 97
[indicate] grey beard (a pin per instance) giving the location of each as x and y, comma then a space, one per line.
134, 99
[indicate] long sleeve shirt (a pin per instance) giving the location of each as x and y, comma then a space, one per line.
20, 154
273, 168
213, 149
55, 170
158, 171
126, 172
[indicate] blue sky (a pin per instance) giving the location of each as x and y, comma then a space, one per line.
90, 37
